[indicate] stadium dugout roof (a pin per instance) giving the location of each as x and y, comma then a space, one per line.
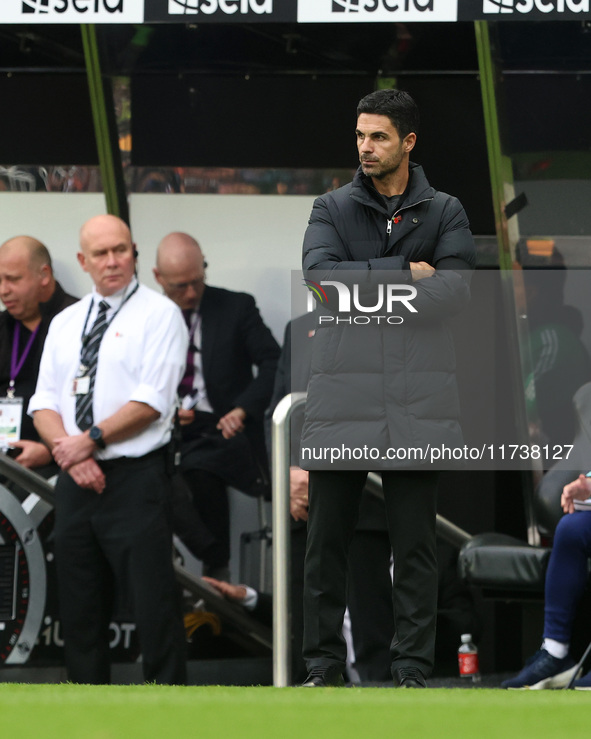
288, 51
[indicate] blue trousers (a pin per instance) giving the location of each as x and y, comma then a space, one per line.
567, 574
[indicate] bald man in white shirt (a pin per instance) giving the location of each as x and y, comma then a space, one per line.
104, 404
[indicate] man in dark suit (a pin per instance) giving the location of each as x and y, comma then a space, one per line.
222, 402
32, 297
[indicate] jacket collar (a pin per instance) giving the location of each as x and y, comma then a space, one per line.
52, 306
417, 189
205, 300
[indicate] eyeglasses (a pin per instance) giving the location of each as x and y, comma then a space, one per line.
181, 287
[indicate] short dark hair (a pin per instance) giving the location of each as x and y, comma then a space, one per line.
40, 255
398, 105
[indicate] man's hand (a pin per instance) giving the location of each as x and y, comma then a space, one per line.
580, 489
298, 493
34, 454
69, 450
229, 591
89, 475
232, 423
420, 270
186, 417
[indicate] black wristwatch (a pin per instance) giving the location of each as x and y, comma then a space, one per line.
96, 434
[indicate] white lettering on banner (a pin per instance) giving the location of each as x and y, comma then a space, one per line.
72, 11
543, 6
229, 7
394, 294
357, 11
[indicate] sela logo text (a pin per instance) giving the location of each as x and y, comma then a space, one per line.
209, 7
43, 7
373, 11
542, 6
370, 6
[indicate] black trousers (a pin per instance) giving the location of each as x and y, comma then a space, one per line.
411, 506
118, 542
210, 500
369, 599
211, 545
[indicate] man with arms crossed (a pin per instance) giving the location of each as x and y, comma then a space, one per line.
390, 386
103, 405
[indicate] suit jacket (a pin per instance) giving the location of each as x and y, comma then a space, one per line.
27, 377
234, 339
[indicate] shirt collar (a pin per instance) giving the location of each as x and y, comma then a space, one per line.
115, 300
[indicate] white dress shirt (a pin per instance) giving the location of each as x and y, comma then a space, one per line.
141, 358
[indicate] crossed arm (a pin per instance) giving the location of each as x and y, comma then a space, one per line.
75, 453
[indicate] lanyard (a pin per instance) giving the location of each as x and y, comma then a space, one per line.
84, 334
84, 338
16, 364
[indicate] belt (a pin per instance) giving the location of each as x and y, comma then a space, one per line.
123, 461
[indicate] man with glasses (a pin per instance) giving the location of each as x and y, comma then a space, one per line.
222, 402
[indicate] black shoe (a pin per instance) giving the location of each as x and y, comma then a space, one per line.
325, 677
409, 677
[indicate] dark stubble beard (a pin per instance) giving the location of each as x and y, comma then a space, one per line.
379, 174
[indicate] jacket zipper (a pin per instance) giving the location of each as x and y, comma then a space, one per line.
404, 207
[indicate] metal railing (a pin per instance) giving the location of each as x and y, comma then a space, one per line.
281, 455
231, 612
279, 638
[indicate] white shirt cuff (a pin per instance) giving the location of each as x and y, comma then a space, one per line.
251, 599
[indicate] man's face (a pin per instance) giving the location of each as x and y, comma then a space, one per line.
107, 255
184, 283
381, 151
21, 284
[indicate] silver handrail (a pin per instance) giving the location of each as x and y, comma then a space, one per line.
27, 479
243, 621
281, 454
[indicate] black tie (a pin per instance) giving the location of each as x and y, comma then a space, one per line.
89, 358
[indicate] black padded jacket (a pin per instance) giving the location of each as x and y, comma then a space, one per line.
378, 385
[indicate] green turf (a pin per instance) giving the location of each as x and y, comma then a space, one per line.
147, 712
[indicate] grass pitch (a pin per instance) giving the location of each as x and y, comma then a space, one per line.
150, 712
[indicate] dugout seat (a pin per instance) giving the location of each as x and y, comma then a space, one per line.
506, 568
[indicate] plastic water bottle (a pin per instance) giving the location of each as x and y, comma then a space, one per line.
468, 659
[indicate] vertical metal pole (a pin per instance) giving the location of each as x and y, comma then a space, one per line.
281, 453
513, 293
106, 137
488, 87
